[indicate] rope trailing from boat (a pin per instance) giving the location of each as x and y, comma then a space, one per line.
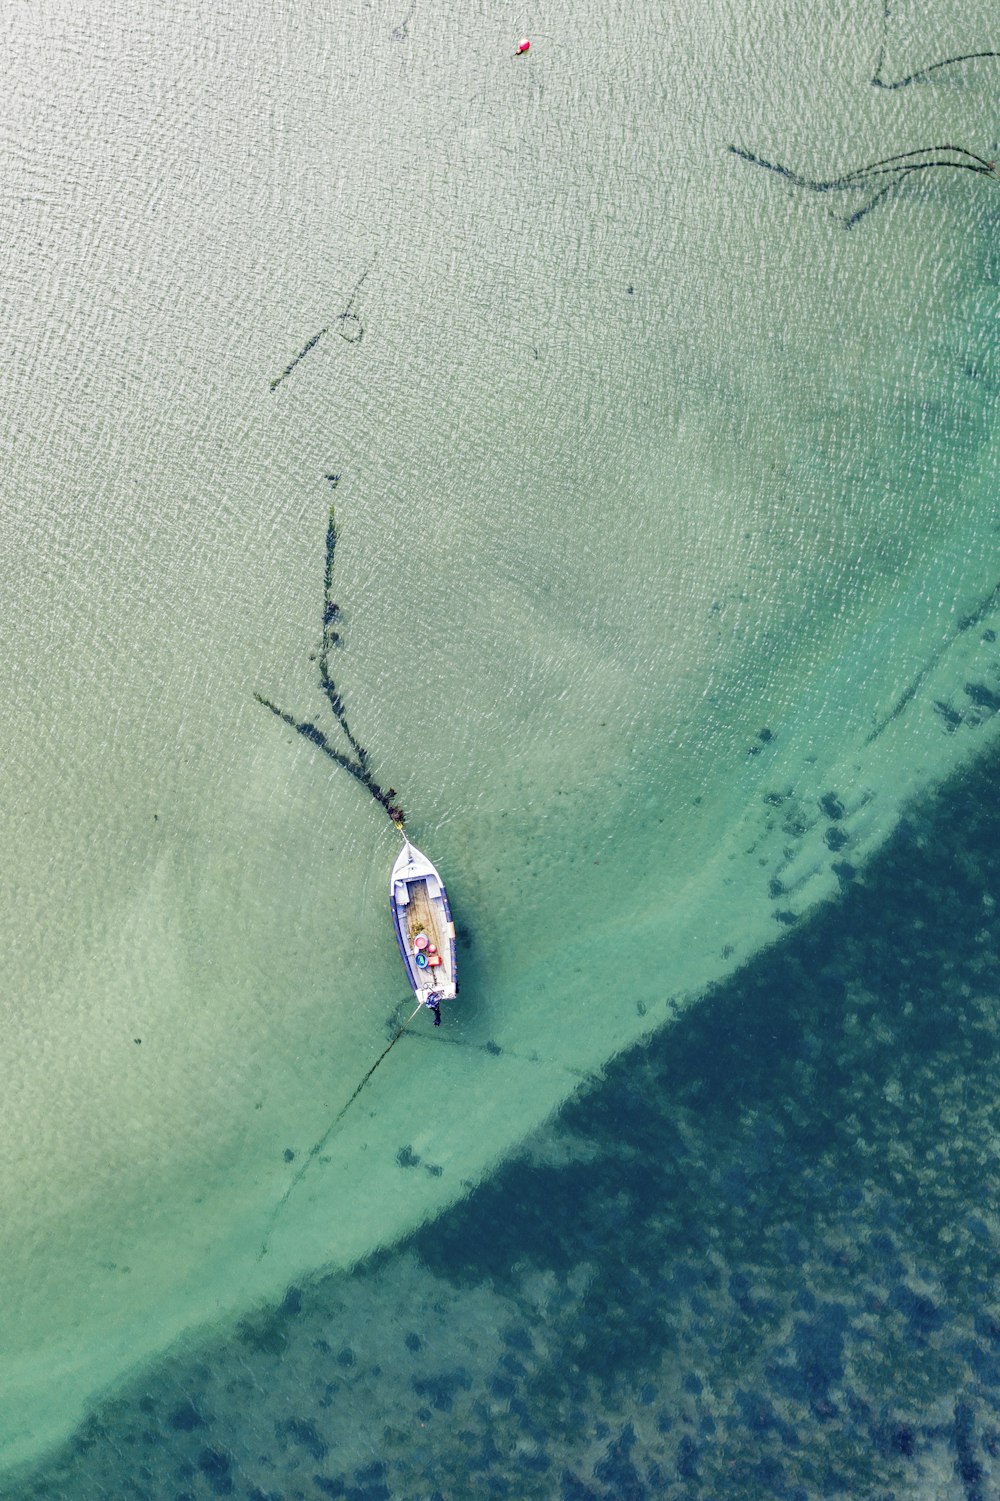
318, 1146
356, 761
897, 168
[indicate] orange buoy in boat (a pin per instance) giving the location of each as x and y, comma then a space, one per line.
522, 46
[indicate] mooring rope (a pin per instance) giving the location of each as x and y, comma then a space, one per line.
318, 1146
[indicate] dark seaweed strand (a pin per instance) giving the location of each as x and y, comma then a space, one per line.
348, 316
318, 1146
361, 768
985, 607
898, 164
359, 284
921, 76
878, 82
332, 537
901, 173
300, 356
904, 172
358, 764
898, 167
904, 156
330, 638
890, 188
850, 180
314, 735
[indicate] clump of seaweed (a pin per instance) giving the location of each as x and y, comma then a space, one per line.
356, 759
897, 170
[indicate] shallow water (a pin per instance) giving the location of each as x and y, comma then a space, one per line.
667, 569
756, 1259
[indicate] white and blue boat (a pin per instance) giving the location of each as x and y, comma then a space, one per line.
424, 928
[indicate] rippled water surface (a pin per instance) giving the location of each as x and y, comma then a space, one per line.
668, 582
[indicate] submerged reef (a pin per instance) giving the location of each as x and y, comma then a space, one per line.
756, 1260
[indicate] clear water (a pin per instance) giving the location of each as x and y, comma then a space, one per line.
756, 1259
641, 454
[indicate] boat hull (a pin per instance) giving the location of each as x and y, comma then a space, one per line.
422, 919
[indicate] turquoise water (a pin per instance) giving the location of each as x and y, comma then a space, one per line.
667, 569
757, 1259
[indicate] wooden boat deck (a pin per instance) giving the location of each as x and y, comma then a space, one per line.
420, 915
420, 905
425, 916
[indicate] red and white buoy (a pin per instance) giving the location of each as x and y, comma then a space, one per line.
522, 46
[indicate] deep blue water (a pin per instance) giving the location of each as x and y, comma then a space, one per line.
757, 1259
